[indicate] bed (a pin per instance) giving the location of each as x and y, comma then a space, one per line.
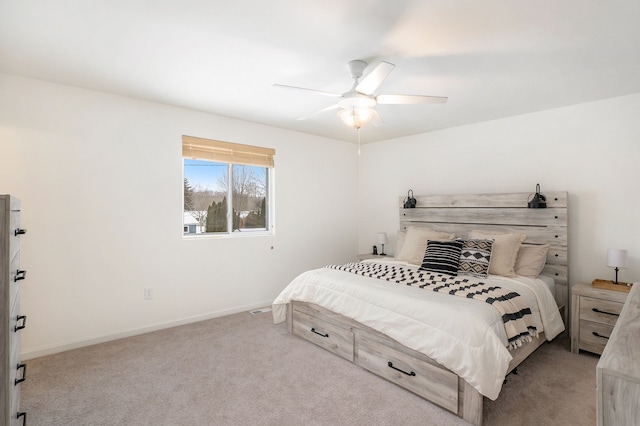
393, 318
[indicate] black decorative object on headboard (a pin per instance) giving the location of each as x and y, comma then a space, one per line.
539, 201
410, 202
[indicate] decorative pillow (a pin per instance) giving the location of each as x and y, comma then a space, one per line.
504, 251
415, 243
475, 257
442, 257
400, 241
531, 260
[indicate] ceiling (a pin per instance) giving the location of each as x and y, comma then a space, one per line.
492, 58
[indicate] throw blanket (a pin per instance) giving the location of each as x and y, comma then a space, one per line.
509, 304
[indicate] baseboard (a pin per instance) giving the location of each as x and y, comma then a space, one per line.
50, 350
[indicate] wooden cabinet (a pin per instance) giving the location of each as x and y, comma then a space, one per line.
594, 313
12, 371
618, 371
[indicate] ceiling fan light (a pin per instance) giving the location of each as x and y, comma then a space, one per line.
356, 117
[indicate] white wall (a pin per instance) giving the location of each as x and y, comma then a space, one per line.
100, 179
590, 150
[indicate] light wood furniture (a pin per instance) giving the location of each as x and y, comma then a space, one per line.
392, 361
618, 371
463, 213
459, 214
12, 371
594, 312
610, 285
365, 256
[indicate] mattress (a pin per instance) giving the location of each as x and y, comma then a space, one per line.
466, 336
549, 281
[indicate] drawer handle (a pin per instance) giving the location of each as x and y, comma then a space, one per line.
595, 333
19, 318
24, 417
313, 330
19, 231
390, 364
20, 275
22, 367
604, 312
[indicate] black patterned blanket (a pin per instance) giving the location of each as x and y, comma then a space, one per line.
512, 307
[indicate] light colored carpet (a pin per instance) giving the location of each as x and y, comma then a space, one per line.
243, 370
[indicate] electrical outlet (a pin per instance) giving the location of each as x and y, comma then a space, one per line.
148, 293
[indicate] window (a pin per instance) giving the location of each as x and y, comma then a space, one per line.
227, 187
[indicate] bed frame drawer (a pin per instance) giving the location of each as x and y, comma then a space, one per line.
383, 357
328, 335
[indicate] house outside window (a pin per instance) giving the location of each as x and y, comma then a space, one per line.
228, 188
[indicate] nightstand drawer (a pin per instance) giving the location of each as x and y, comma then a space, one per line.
330, 336
598, 310
594, 336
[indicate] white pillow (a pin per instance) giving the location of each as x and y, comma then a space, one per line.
504, 251
531, 260
400, 241
415, 243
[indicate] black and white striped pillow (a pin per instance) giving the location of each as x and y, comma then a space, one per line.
442, 257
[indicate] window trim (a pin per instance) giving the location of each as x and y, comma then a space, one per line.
233, 153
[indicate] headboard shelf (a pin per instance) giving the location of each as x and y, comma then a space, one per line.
504, 213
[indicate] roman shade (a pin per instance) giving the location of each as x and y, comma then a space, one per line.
226, 152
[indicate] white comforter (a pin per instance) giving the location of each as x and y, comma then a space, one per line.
464, 335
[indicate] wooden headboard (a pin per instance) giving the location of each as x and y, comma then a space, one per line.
503, 213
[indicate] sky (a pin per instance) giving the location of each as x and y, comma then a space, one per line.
203, 173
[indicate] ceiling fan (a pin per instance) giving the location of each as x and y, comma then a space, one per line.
357, 105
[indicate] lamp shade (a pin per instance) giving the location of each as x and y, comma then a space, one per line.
537, 200
356, 117
382, 238
617, 258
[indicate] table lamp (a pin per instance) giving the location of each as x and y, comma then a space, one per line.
382, 240
617, 258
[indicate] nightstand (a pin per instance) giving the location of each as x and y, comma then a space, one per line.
594, 312
365, 256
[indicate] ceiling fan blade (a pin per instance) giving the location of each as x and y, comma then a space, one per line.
329, 108
410, 99
374, 79
319, 92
